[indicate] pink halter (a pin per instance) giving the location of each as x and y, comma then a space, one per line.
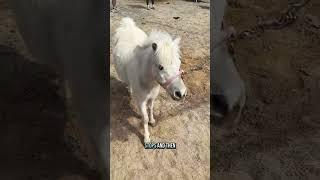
170, 80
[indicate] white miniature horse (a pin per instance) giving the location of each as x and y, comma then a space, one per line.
146, 62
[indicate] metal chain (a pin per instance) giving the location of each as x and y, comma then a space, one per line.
288, 17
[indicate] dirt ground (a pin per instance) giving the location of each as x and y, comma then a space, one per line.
279, 134
185, 123
35, 132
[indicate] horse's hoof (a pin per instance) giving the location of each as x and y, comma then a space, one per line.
146, 140
152, 124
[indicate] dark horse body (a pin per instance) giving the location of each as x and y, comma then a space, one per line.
72, 36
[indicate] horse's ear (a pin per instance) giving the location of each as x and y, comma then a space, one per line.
154, 46
177, 41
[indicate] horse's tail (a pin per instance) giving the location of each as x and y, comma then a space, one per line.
126, 24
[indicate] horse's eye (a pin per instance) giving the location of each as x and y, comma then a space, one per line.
160, 67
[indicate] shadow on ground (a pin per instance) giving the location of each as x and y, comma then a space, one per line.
122, 111
138, 6
33, 118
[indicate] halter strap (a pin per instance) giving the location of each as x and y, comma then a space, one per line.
170, 80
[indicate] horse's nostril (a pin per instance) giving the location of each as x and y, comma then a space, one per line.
178, 94
220, 103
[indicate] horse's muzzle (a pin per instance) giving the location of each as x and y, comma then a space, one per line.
221, 114
178, 95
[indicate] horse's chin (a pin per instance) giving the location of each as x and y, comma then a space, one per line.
174, 98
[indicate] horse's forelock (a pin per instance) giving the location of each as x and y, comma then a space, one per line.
167, 50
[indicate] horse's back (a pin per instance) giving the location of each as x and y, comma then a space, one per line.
127, 37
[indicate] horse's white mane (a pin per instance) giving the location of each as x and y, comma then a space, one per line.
168, 50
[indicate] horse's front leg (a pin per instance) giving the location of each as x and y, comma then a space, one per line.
152, 122
144, 113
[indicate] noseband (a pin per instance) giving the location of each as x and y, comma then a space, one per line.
171, 79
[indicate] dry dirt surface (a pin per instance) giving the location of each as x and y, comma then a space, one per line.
185, 123
279, 134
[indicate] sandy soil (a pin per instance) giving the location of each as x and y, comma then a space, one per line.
39, 141
186, 123
279, 134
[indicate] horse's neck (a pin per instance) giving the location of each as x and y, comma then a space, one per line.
145, 64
